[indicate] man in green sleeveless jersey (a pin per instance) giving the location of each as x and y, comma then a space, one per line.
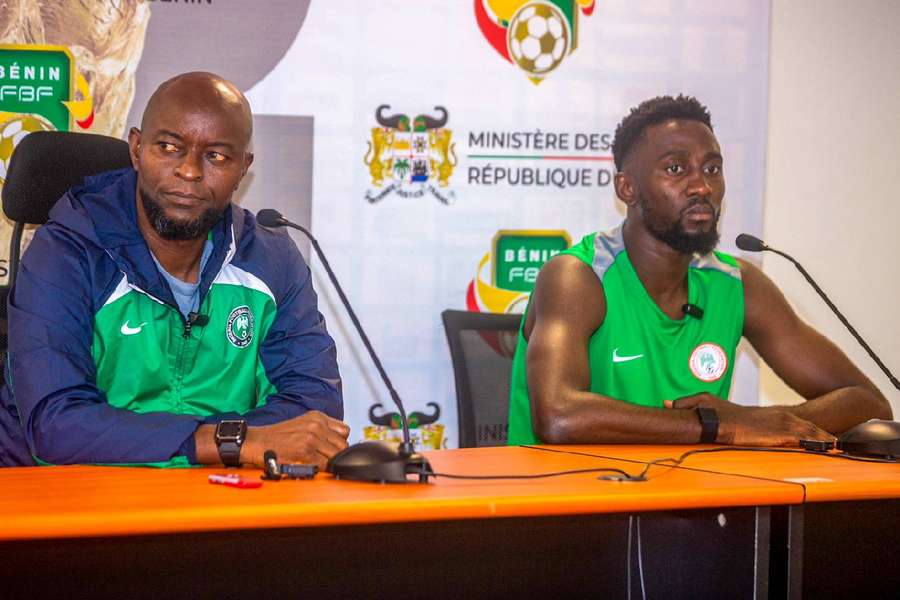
630, 335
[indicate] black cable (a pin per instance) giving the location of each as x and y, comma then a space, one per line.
642, 476
681, 459
534, 476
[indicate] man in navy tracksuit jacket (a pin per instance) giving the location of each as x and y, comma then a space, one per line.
152, 322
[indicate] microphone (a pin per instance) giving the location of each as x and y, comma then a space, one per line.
750, 243
194, 320
271, 471
692, 310
364, 461
197, 320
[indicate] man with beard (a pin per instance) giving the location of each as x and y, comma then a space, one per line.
630, 336
153, 322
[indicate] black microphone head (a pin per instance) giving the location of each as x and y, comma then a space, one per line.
692, 310
269, 455
269, 217
749, 243
201, 320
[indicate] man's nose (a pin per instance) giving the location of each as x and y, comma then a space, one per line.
190, 167
699, 185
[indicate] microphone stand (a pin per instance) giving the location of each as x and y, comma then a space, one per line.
365, 461
753, 244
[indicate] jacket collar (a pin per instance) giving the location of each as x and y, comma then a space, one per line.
104, 210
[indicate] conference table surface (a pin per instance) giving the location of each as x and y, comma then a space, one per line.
92, 501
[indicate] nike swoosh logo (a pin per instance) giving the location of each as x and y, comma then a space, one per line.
618, 359
126, 330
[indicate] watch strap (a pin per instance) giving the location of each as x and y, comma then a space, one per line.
230, 454
709, 424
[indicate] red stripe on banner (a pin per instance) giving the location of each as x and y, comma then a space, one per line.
493, 33
471, 303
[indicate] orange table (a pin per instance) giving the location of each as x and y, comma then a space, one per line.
128, 531
102, 501
462, 537
841, 541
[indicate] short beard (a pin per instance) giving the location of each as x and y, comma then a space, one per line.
171, 229
674, 235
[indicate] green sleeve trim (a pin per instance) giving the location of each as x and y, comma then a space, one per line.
178, 462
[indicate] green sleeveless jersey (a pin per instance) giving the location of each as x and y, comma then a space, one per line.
639, 354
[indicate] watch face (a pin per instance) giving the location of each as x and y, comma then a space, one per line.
230, 430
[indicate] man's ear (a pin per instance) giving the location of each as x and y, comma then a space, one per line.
248, 160
625, 188
134, 147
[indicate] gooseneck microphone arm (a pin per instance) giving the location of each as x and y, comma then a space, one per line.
750, 243
268, 217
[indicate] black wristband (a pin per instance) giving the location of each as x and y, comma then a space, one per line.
230, 436
709, 424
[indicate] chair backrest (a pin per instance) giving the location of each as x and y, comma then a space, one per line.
481, 347
43, 166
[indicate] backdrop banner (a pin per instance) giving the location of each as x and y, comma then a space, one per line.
459, 144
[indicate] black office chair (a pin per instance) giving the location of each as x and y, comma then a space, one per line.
43, 166
481, 347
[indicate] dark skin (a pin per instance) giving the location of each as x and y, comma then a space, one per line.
191, 153
674, 173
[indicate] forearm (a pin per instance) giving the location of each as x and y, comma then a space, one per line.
586, 418
841, 409
82, 432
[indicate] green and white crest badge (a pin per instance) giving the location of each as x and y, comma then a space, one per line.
239, 328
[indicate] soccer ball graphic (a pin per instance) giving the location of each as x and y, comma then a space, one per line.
14, 127
537, 37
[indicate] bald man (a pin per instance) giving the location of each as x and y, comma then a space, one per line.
153, 322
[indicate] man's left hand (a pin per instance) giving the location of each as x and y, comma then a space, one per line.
706, 400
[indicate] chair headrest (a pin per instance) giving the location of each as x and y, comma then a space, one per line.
47, 163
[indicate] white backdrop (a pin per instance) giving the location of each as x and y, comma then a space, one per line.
403, 260
831, 194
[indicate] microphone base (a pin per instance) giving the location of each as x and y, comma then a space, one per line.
379, 462
875, 437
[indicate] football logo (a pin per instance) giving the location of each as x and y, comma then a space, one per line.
708, 362
535, 35
239, 328
505, 276
40, 90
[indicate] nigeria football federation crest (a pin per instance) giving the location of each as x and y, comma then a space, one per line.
410, 157
239, 328
535, 35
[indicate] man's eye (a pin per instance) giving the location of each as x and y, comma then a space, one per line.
167, 147
216, 157
714, 169
674, 169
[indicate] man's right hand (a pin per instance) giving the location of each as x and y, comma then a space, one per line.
311, 438
754, 425
767, 426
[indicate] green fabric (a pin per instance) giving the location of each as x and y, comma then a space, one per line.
639, 354
132, 332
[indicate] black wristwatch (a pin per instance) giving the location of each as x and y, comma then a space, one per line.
230, 436
709, 424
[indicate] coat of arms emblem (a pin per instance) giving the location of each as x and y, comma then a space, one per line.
410, 157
